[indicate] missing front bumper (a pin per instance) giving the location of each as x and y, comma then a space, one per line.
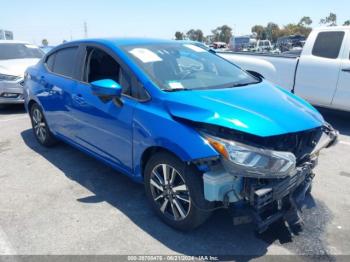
268, 198
262, 196
275, 200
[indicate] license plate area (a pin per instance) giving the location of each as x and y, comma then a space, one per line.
276, 191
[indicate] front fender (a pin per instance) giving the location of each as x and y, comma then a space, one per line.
154, 127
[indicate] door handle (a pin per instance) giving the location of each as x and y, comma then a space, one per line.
346, 70
43, 81
79, 98
47, 86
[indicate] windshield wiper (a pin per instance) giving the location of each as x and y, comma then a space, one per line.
176, 89
245, 84
242, 84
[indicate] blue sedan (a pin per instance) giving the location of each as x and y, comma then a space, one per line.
197, 130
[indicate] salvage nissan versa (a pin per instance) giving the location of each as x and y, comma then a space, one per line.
197, 130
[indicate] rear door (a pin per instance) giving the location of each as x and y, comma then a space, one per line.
58, 81
319, 65
341, 98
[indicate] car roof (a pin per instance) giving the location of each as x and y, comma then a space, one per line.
332, 28
123, 41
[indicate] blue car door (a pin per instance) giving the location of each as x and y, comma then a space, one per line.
102, 126
57, 83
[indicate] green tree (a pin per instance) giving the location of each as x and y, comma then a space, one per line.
330, 20
179, 35
347, 22
260, 31
305, 21
195, 35
200, 35
222, 33
44, 42
272, 31
295, 29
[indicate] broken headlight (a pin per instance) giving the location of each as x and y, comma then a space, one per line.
246, 160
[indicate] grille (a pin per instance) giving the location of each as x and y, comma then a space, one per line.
300, 144
264, 192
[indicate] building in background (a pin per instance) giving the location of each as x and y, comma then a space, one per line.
242, 43
6, 35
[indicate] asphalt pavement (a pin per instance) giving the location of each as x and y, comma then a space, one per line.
60, 201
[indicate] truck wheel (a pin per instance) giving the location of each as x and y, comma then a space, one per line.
40, 127
175, 191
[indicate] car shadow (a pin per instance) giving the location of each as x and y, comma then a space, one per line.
217, 236
340, 120
12, 109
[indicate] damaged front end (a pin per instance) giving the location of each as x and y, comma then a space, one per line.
268, 176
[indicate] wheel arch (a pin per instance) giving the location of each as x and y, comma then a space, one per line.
30, 104
147, 154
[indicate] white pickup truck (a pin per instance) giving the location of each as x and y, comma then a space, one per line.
321, 74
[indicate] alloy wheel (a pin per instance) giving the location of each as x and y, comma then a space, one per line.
39, 125
170, 192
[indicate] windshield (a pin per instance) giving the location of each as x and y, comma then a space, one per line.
179, 66
263, 43
19, 51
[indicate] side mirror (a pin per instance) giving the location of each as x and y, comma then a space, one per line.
256, 74
106, 88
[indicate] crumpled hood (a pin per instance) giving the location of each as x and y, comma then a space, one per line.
16, 67
259, 109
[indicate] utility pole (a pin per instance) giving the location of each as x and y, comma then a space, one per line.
85, 30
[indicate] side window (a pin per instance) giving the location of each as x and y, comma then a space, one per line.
100, 65
50, 61
64, 61
328, 44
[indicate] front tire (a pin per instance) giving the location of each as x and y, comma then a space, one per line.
40, 127
175, 191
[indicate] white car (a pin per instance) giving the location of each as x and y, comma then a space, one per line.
321, 74
15, 57
263, 46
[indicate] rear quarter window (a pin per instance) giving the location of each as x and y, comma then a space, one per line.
50, 61
328, 44
64, 61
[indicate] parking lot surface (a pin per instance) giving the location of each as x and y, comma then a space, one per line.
60, 201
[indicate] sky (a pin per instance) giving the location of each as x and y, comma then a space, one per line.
63, 19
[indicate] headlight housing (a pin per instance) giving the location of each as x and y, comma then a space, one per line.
250, 161
4, 77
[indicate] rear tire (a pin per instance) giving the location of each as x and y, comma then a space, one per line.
40, 127
175, 191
